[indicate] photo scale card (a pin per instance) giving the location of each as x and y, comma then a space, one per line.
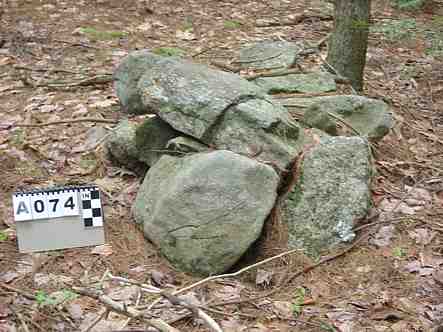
58, 218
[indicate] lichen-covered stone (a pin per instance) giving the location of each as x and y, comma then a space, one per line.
331, 194
152, 136
204, 210
121, 146
316, 82
269, 54
127, 75
183, 144
372, 118
259, 127
192, 97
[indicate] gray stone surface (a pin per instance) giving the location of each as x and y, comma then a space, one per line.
121, 145
259, 126
269, 55
152, 136
316, 82
204, 210
127, 75
185, 144
192, 97
333, 192
372, 118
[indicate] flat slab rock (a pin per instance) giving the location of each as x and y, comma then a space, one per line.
372, 118
316, 82
332, 193
204, 211
268, 55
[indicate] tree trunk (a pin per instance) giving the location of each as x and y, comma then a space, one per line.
349, 41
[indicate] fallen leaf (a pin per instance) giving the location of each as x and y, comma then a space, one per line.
160, 279
383, 237
94, 136
113, 322
4, 310
422, 236
232, 325
75, 311
125, 293
79, 110
258, 328
103, 250
9, 276
191, 298
438, 277
185, 35
144, 27
229, 292
283, 309
263, 278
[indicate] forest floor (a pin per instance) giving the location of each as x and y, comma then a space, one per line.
56, 58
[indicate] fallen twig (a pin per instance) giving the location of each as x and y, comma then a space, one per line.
75, 44
18, 291
196, 311
51, 123
297, 20
234, 274
225, 66
125, 310
294, 275
97, 79
284, 72
344, 122
43, 70
23, 322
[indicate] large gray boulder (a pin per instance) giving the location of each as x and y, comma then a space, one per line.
203, 211
332, 193
372, 118
191, 97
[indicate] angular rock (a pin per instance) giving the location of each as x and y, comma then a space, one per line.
269, 55
152, 136
192, 97
184, 144
127, 75
316, 82
259, 127
121, 146
203, 211
332, 193
370, 117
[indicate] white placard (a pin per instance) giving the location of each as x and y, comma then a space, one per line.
22, 207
